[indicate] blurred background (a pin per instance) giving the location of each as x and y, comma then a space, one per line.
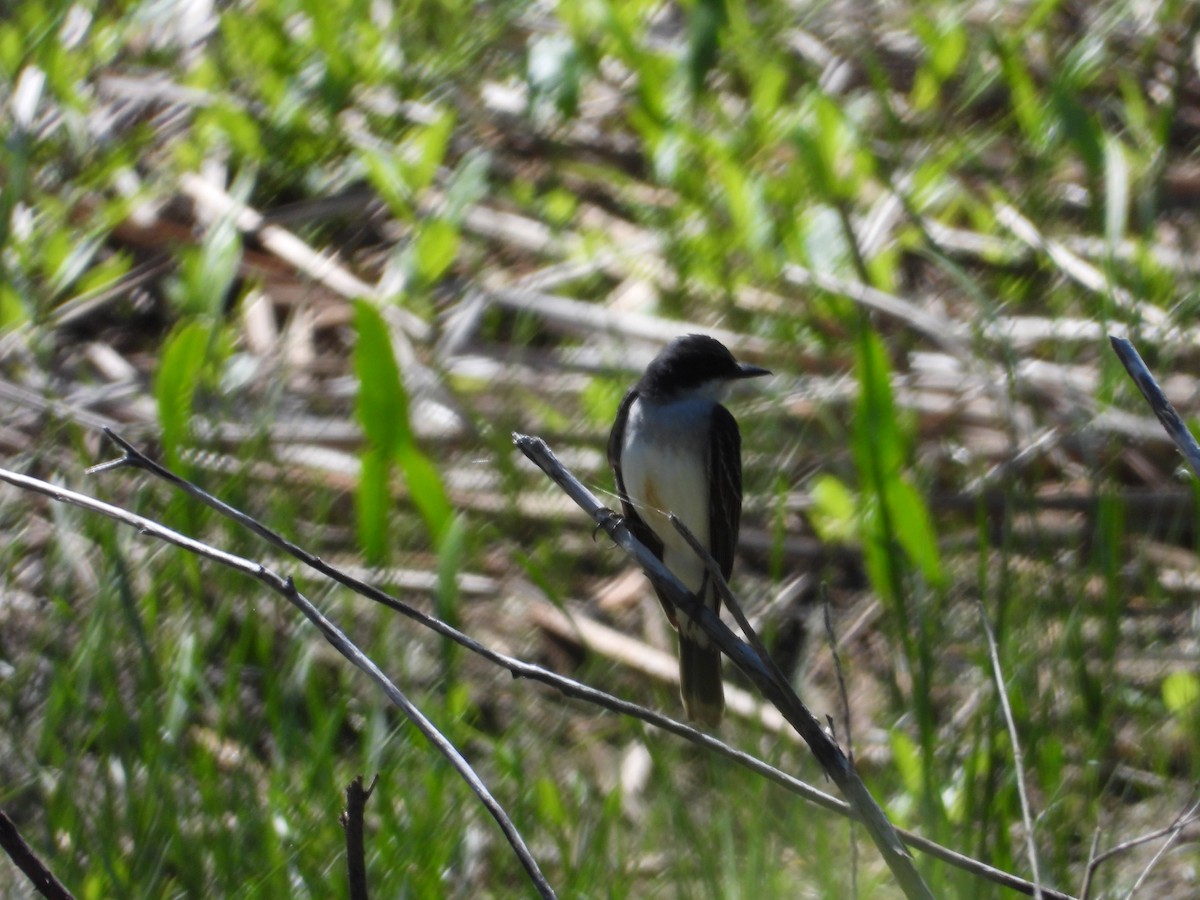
325, 256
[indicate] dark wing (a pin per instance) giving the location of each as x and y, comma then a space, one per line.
725, 488
639, 528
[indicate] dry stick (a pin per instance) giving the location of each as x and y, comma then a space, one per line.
757, 668
1018, 760
287, 589
1171, 422
1167, 844
352, 822
567, 686
1078, 270
1185, 818
1091, 865
28, 862
731, 602
1179, 433
321, 267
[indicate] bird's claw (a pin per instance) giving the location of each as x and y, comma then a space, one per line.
606, 519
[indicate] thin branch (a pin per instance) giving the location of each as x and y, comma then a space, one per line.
1171, 422
755, 667
1172, 837
1018, 759
1091, 865
567, 686
321, 266
1078, 270
352, 822
732, 603
331, 633
1186, 817
29, 862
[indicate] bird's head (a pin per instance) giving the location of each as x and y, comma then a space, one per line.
694, 363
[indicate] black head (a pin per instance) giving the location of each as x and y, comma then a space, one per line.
693, 362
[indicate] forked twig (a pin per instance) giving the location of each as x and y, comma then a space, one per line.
541, 455
1172, 831
522, 669
1172, 835
334, 635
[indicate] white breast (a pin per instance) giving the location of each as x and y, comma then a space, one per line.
664, 463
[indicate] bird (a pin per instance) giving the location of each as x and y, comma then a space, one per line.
674, 449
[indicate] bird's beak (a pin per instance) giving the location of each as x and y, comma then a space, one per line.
745, 370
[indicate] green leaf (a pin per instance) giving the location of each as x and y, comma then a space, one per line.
878, 445
948, 49
747, 208
180, 685
436, 249
382, 406
12, 308
834, 512
914, 528
430, 143
1027, 106
382, 411
386, 174
104, 274
451, 553
945, 45
179, 372
878, 559
1079, 126
427, 490
709, 18
549, 803
907, 761
373, 501
207, 272
1181, 693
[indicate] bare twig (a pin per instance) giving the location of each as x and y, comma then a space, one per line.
1018, 760
1091, 865
732, 603
521, 669
321, 267
335, 636
942, 333
660, 576
755, 667
352, 821
1145, 873
1077, 269
1172, 832
1171, 422
28, 862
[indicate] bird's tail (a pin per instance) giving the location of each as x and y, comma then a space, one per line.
700, 680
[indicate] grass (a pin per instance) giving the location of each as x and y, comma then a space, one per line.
169, 730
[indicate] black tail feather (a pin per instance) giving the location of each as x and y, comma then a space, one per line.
700, 681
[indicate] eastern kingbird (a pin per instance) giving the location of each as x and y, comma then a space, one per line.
675, 449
